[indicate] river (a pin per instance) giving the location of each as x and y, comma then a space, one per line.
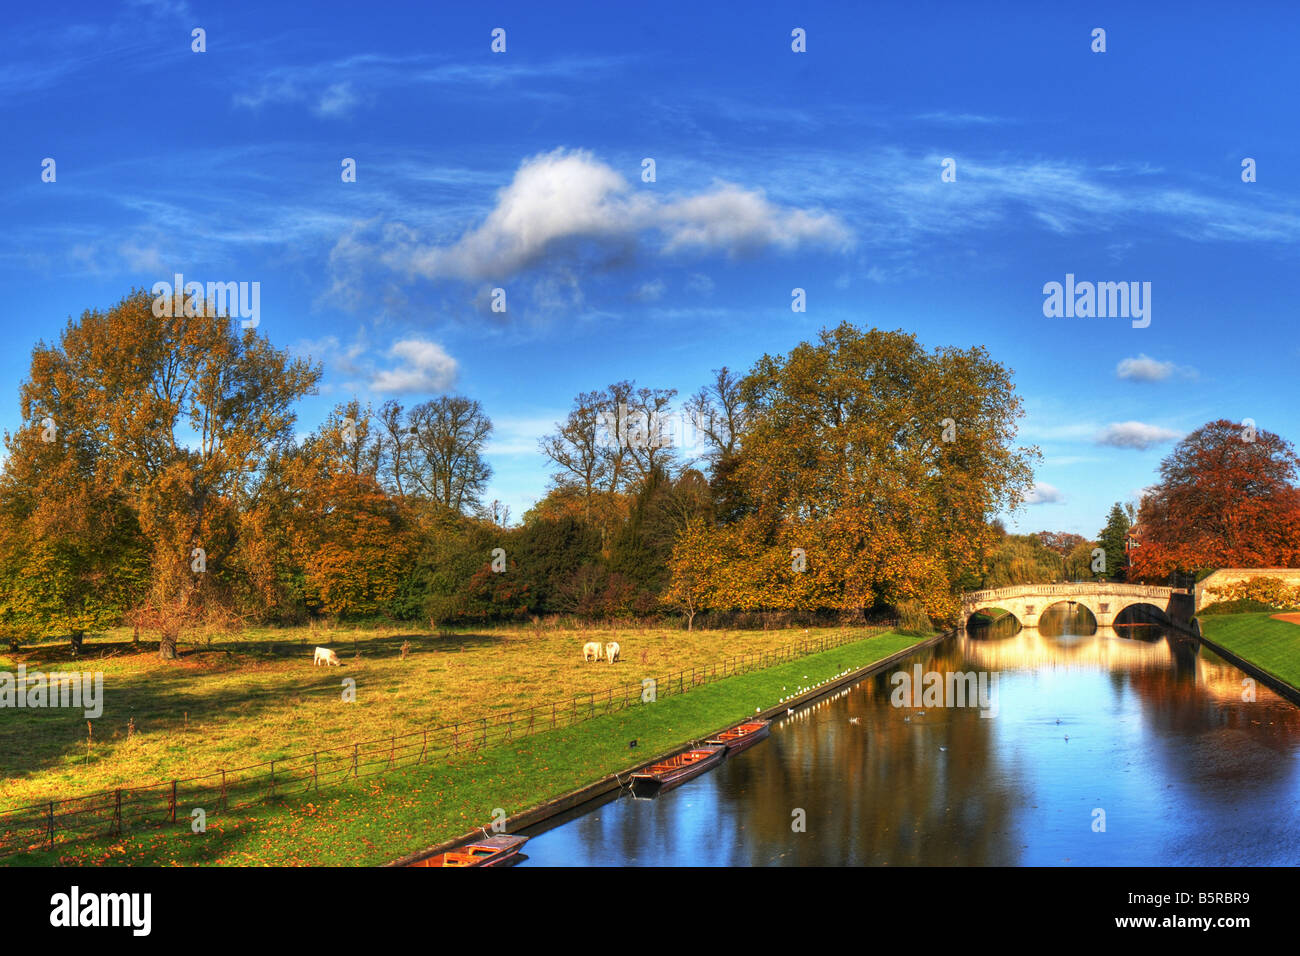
1111, 748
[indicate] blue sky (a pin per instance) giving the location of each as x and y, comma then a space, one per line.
774, 170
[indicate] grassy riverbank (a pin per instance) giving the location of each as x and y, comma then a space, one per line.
256, 697
1261, 639
379, 819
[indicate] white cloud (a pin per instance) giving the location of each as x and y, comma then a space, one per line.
1137, 435
1044, 494
337, 100
563, 197
651, 291
1146, 369
425, 367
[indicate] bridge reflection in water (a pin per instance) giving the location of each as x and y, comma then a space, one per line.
1159, 738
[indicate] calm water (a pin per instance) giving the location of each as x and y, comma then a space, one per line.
1159, 738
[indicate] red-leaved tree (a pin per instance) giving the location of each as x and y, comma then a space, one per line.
1226, 498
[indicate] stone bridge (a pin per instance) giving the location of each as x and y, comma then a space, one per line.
1105, 600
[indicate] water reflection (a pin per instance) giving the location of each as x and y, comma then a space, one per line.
1149, 728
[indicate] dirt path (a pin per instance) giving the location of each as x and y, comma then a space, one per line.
1292, 617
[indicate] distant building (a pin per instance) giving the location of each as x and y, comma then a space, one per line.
1131, 541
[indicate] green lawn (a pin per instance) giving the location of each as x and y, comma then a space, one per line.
381, 818
1261, 639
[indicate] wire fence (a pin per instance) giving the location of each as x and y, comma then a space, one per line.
111, 813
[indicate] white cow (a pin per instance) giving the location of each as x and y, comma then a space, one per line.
593, 649
611, 651
325, 656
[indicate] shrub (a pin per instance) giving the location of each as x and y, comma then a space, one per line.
1271, 594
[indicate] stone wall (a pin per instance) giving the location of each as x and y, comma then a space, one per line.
1226, 576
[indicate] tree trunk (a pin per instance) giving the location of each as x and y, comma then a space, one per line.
167, 647
75, 641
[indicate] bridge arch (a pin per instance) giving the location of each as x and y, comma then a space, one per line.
1105, 600
1087, 603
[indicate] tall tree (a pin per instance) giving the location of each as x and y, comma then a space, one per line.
1111, 539
719, 415
574, 447
882, 462
445, 452
177, 414
1226, 498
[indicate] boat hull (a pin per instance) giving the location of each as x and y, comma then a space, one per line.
492, 851
674, 772
735, 744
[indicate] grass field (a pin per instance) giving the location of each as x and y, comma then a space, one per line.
257, 698
1261, 639
378, 819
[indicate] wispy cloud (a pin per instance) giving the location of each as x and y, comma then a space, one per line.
944, 118
1138, 435
1143, 368
332, 88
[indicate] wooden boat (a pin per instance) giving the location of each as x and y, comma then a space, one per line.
666, 774
737, 738
490, 851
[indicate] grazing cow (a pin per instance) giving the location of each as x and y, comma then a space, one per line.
611, 651
591, 651
325, 656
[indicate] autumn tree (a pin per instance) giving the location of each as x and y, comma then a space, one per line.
175, 413
72, 557
354, 542
882, 462
1226, 498
1062, 542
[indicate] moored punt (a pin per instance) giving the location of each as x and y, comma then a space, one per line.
666, 774
737, 738
491, 851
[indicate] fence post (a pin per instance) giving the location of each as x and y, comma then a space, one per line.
355, 771
51, 825
425, 746
173, 806
272, 780
315, 769
485, 732
222, 800
117, 814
